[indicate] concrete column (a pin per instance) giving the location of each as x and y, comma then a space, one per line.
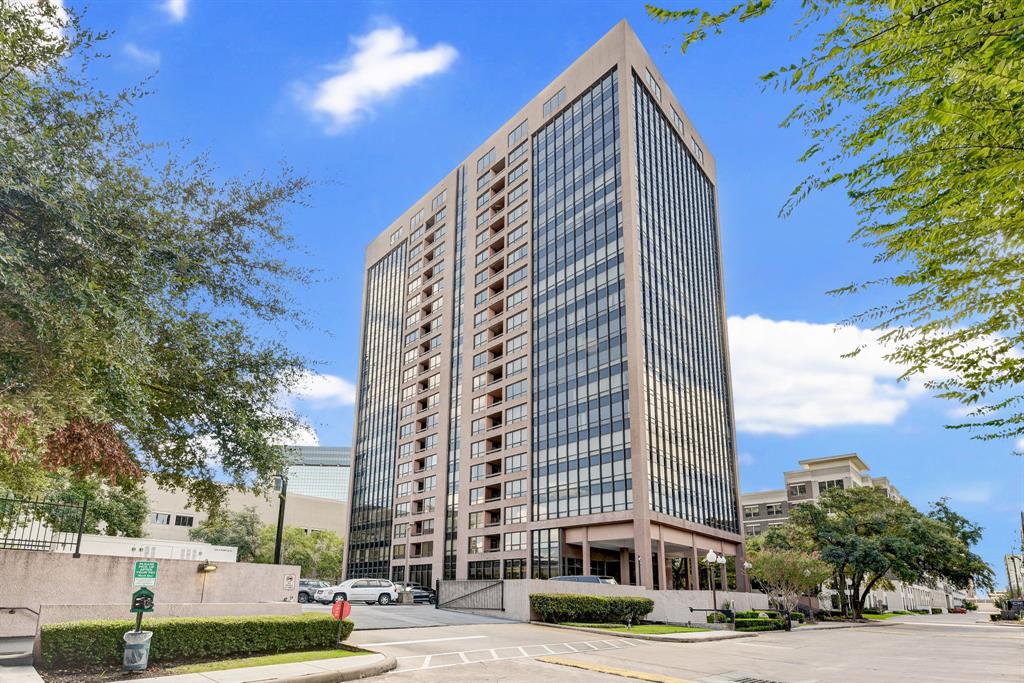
694, 569
644, 554
624, 566
586, 552
661, 561
723, 577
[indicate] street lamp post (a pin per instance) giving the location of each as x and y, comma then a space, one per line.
712, 559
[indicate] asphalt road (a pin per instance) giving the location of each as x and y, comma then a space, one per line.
374, 617
940, 649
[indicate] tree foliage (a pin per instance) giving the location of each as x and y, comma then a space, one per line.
132, 282
112, 510
788, 575
916, 110
318, 553
238, 529
869, 539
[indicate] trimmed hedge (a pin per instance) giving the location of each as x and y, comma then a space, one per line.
755, 614
760, 624
84, 643
556, 608
936, 610
921, 611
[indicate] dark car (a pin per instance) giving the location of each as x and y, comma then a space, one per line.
585, 579
420, 594
307, 589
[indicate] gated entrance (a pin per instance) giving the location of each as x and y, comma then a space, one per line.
470, 595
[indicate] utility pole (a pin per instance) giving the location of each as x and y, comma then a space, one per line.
282, 499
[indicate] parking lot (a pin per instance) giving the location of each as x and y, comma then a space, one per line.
374, 617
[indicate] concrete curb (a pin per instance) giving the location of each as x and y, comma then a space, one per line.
667, 638
389, 663
381, 664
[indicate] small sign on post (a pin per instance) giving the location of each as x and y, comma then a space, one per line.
340, 611
289, 582
145, 573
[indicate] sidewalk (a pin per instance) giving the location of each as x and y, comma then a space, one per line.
315, 671
692, 637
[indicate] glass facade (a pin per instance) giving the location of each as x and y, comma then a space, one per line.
581, 452
377, 422
319, 471
685, 373
451, 520
546, 555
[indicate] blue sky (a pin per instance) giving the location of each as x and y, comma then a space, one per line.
378, 100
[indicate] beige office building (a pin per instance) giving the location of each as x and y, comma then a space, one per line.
544, 382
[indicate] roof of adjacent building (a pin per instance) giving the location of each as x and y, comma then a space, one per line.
340, 456
852, 457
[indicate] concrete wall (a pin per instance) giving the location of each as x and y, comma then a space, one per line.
32, 579
669, 606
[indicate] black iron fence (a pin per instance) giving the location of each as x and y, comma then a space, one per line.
41, 524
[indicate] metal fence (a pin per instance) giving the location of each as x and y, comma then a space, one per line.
41, 524
471, 595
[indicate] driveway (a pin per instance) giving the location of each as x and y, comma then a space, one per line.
373, 617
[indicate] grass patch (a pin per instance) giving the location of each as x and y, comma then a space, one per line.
880, 617
654, 629
265, 660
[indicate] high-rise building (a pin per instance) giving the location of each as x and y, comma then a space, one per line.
544, 382
319, 471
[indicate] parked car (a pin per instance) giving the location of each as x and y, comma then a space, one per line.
308, 588
957, 610
585, 579
420, 594
380, 591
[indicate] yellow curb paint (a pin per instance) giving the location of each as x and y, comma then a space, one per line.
613, 671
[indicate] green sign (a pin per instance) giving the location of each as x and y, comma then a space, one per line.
145, 573
142, 600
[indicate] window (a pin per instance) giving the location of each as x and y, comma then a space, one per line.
428, 483
479, 425
480, 278
408, 410
516, 514
516, 321
403, 489
476, 545
486, 161
751, 511
516, 277
515, 390
405, 450
515, 414
516, 343
515, 463
417, 233
798, 490
396, 235
440, 199
753, 530
517, 173
416, 219
476, 520
479, 359
160, 518
676, 119
405, 430
515, 540
482, 219
828, 485
518, 134
398, 552
518, 192
515, 439
401, 530
517, 153
515, 569
697, 151
401, 510
515, 367
480, 338
517, 213
554, 102
486, 570
517, 234
478, 472
515, 488
483, 199
773, 509
480, 298
476, 496
514, 300
404, 469
410, 355
653, 85
517, 255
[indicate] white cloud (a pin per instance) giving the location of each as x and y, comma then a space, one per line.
980, 493
54, 26
384, 62
746, 459
303, 435
1018, 445
141, 55
177, 10
790, 377
324, 390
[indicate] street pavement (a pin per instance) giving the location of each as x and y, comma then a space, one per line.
935, 648
373, 617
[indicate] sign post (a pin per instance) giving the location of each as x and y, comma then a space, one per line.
340, 611
142, 601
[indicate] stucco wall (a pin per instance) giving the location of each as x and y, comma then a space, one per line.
31, 579
669, 606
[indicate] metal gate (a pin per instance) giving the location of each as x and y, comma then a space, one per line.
471, 595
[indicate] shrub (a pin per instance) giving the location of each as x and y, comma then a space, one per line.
84, 643
717, 618
555, 608
872, 610
936, 610
771, 624
920, 611
970, 605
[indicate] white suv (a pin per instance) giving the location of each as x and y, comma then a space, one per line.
380, 591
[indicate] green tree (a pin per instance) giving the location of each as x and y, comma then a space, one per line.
788, 575
132, 285
915, 109
113, 510
238, 529
318, 553
869, 539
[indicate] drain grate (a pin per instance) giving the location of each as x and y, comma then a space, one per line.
754, 680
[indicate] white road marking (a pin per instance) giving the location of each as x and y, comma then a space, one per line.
550, 651
425, 640
464, 658
426, 662
774, 647
463, 655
